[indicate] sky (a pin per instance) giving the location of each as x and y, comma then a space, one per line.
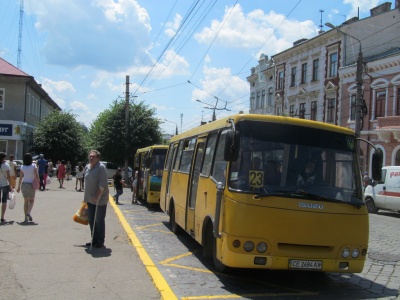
175, 52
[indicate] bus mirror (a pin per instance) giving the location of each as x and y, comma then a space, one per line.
377, 165
232, 145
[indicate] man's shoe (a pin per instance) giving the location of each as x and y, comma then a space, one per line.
29, 217
99, 245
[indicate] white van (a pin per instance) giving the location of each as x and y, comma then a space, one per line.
112, 168
384, 194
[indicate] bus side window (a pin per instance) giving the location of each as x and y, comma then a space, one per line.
219, 168
169, 157
178, 155
209, 154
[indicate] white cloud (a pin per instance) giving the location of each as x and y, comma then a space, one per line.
103, 34
255, 29
363, 5
172, 27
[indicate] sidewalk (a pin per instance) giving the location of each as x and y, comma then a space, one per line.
47, 259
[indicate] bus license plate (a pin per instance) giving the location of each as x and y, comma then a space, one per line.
305, 264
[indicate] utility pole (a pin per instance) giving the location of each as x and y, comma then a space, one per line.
359, 82
126, 175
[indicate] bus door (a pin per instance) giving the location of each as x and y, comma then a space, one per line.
194, 180
169, 167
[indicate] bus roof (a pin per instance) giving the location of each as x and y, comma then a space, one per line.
141, 150
222, 123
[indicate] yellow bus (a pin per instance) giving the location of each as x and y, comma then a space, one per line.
269, 192
149, 162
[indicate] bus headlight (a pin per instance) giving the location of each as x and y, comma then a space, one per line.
355, 253
345, 252
261, 247
236, 243
248, 246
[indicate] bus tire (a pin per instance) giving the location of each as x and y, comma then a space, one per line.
369, 202
172, 222
219, 266
208, 243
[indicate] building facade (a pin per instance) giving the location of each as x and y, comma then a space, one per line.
23, 102
316, 79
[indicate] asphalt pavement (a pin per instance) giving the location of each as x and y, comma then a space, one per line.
47, 258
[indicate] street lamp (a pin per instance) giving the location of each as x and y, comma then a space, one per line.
214, 108
176, 131
359, 81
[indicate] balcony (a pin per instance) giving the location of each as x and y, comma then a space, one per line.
387, 126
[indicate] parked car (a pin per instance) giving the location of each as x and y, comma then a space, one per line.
384, 194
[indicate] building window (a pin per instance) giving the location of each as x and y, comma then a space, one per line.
313, 110
304, 73
270, 91
315, 76
252, 101
278, 111
262, 98
333, 65
398, 104
2, 98
331, 110
258, 100
280, 80
352, 107
380, 104
302, 111
293, 77
291, 111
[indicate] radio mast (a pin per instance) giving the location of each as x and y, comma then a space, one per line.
21, 18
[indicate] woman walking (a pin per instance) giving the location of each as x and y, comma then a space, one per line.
61, 173
5, 187
27, 174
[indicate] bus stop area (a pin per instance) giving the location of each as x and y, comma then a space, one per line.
143, 259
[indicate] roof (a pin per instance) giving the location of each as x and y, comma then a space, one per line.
8, 69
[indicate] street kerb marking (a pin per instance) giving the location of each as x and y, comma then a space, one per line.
159, 281
293, 292
235, 296
145, 227
168, 261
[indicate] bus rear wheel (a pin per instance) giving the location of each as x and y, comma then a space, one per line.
172, 222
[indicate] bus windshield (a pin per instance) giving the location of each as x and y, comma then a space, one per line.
296, 162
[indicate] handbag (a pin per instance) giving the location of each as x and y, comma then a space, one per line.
11, 204
81, 215
35, 184
48, 180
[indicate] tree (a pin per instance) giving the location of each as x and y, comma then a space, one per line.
107, 133
59, 137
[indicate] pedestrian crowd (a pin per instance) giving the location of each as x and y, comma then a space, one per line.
91, 179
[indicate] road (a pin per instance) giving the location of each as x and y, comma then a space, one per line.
190, 276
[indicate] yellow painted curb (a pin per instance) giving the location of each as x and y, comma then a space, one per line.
159, 280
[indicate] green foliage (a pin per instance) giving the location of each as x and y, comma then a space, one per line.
108, 132
60, 137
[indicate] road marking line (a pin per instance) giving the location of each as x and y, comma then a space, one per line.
159, 281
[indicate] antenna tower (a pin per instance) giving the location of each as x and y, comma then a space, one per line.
21, 18
320, 25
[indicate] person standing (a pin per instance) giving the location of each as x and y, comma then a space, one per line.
50, 168
13, 171
118, 183
96, 196
4, 184
61, 173
79, 177
41, 163
28, 173
68, 170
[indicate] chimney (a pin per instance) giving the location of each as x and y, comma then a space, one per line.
380, 9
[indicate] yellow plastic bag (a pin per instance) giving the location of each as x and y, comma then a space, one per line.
81, 216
